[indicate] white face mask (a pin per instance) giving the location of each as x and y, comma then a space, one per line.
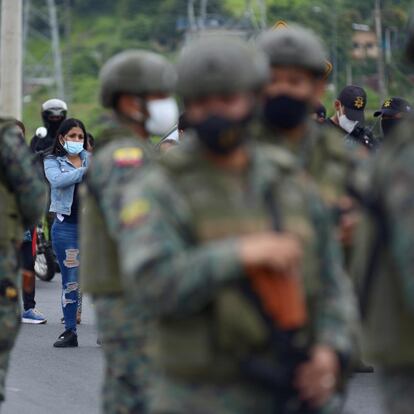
345, 123
163, 115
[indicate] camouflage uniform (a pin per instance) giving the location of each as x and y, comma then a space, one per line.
181, 264
119, 157
384, 266
320, 153
119, 327
22, 202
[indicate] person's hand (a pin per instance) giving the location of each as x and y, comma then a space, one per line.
316, 379
277, 252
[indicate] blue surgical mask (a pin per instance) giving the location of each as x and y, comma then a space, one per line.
73, 148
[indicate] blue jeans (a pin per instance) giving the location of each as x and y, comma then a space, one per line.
65, 245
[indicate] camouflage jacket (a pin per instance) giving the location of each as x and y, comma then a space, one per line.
384, 258
119, 157
322, 154
178, 243
22, 193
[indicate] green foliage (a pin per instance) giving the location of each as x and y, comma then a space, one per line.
101, 28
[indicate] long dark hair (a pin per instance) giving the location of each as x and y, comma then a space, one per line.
64, 128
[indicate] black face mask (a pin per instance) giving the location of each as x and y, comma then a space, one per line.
388, 125
285, 112
220, 135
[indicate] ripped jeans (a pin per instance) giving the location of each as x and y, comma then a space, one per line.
65, 245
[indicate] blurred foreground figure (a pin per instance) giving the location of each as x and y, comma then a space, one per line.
298, 65
385, 265
231, 253
136, 86
22, 202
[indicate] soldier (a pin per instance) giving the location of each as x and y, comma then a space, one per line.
210, 242
136, 86
298, 66
385, 266
22, 202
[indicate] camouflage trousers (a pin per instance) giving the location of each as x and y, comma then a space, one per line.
123, 338
398, 387
9, 328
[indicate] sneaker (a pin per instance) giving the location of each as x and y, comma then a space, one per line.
68, 339
34, 317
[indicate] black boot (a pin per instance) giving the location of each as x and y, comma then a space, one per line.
68, 339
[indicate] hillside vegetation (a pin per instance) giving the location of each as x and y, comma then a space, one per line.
100, 28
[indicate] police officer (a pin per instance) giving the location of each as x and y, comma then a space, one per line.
205, 240
385, 266
136, 86
53, 112
349, 117
22, 202
392, 112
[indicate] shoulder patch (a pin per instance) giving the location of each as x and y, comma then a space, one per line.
128, 157
135, 212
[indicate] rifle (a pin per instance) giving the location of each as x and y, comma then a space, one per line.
364, 136
281, 302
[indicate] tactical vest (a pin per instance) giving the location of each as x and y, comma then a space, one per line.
210, 344
388, 330
322, 154
99, 267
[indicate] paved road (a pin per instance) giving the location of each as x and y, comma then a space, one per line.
45, 380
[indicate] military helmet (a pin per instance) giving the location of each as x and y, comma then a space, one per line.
294, 46
135, 72
221, 65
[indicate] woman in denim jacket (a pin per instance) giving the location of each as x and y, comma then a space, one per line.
65, 169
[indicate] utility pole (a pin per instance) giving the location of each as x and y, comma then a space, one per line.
11, 59
388, 46
263, 13
203, 14
335, 47
380, 63
191, 15
67, 74
349, 78
46, 69
56, 49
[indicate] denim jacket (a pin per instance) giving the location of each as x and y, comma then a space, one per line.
63, 177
